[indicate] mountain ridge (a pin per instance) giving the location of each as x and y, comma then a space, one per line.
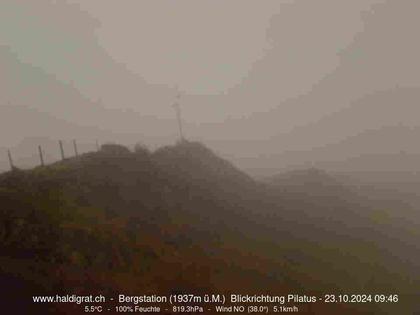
182, 219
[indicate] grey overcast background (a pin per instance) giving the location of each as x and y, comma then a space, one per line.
270, 85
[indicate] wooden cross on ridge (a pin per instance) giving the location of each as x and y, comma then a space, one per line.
177, 108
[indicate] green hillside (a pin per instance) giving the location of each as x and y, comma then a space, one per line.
181, 219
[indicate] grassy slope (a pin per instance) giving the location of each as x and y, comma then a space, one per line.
178, 220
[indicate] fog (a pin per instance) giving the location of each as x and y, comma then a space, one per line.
292, 165
269, 85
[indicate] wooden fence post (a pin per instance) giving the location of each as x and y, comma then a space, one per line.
61, 149
40, 155
9, 154
75, 148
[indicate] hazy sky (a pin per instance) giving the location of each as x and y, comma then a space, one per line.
209, 47
205, 47
253, 74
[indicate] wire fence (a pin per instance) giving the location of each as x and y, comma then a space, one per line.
42, 157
